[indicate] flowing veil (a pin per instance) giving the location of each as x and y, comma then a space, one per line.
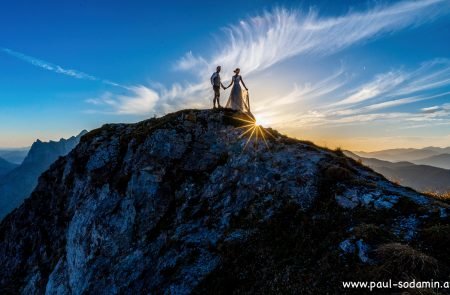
245, 101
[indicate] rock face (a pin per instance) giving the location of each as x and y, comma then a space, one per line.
19, 182
174, 205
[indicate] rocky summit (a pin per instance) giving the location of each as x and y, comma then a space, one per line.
181, 205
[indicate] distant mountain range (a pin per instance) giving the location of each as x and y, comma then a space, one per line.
441, 161
6, 167
14, 155
19, 182
425, 156
419, 177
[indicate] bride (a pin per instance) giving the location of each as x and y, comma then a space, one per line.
237, 101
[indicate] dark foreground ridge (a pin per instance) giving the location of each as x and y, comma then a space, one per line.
173, 205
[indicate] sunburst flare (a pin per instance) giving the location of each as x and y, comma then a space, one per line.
253, 131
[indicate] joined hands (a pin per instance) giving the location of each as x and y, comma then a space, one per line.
229, 87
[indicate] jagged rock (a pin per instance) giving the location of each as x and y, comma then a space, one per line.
347, 246
406, 227
347, 203
443, 213
19, 182
363, 251
352, 246
175, 205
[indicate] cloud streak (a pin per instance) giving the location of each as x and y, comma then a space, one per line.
265, 40
443, 109
382, 84
140, 101
370, 101
390, 89
430, 75
262, 41
56, 68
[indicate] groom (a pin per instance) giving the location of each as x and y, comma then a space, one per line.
216, 83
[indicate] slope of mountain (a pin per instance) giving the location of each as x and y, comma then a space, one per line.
16, 185
441, 161
6, 167
398, 155
15, 156
438, 150
419, 177
175, 205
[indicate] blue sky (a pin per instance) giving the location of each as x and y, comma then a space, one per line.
363, 75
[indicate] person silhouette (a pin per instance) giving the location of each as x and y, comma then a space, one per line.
238, 100
216, 84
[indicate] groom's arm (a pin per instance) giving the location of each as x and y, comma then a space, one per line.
230, 84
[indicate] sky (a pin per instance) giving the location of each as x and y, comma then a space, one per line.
360, 75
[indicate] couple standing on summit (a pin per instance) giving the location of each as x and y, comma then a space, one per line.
238, 99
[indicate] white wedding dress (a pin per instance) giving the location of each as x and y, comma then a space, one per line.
238, 99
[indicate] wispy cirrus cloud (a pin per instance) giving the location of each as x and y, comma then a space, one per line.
369, 101
430, 110
393, 88
389, 104
141, 100
56, 68
381, 85
307, 91
262, 41
430, 80
189, 61
441, 109
433, 74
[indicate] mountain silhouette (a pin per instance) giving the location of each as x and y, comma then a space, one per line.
14, 155
6, 166
19, 182
424, 178
186, 204
418, 156
440, 160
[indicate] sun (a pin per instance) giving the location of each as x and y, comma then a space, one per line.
253, 130
261, 120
